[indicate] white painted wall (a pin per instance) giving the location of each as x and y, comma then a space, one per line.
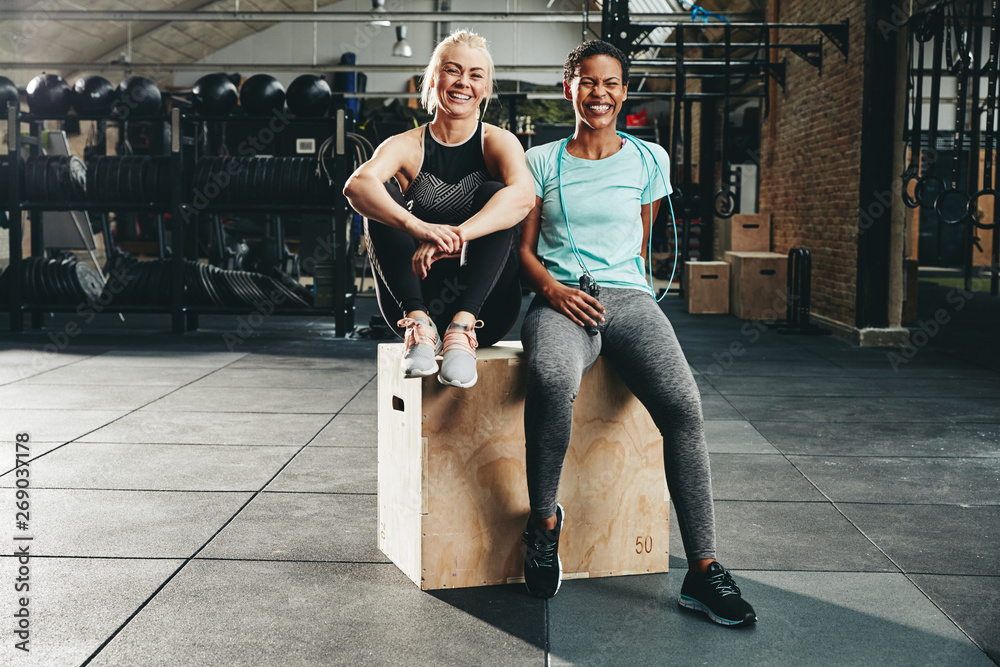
510, 43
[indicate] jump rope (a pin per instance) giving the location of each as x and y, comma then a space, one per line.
649, 186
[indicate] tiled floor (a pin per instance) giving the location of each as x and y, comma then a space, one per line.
192, 504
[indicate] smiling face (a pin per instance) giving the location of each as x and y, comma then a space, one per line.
461, 81
597, 91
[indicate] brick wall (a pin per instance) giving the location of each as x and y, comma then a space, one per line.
811, 152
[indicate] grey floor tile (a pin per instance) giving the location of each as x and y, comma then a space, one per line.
174, 358
365, 403
78, 397
29, 451
759, 477
718, 408
349, 430
882, 438
127, 524
788, 536
735, 437
840, 409
196, 398
118, 375
217, 428
330, 470
933, 539
804, 618
302, 526
55, 425
333, 379
306, 361
25, 363
330, 614
75, 603
775, 385
979, 409
86, 465
904, 480
973, 602
715, 369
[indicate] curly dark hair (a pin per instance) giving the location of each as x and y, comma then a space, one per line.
594, 47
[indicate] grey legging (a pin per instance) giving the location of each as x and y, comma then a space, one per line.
638, 340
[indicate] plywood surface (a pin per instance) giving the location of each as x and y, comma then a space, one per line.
475, 494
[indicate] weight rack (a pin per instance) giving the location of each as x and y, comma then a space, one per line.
183, 156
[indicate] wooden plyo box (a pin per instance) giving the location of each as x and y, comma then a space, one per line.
452, 496
747, 232
758, 284
706, 287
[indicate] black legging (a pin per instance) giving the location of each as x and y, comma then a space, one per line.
486, 286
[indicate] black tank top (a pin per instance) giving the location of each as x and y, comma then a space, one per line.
447, 180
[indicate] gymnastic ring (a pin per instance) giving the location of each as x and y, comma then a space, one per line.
910, 202
952, 206
725, 203
928, 189
972, 208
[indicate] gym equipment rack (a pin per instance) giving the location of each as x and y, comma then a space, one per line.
181, 207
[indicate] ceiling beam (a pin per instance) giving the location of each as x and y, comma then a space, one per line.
334, 17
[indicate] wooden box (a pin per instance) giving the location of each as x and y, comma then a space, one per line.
706, 287
452, 496
758, 285
749, 232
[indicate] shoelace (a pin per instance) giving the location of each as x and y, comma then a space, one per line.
463, 339
542, 553
723, 584
416, 333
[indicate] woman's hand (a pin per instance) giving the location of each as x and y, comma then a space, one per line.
426, 254
575, 304
446, 238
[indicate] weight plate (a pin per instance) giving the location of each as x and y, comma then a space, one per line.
114, 180
56, 287
44, 291
45, 280
270, 168
246, 180
34, 180
89, 281
92, 178
66, 279
52, 177
255, 166
103, 188
295, 186
251, 294
286, 180
207, 277
77, 172
129, 179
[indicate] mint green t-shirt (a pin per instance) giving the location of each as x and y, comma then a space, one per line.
602, 199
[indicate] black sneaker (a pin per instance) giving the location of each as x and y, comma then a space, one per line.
542, 566
716, 594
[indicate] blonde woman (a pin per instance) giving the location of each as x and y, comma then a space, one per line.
442, 202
